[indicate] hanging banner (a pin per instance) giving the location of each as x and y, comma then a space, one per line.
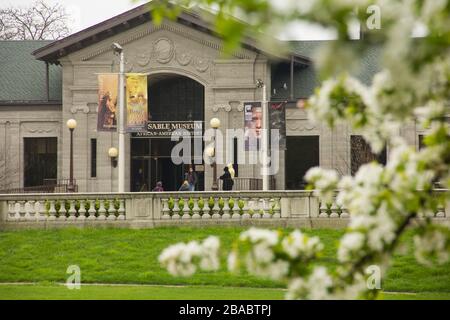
136, 93
253, 122
108, 85
277, 120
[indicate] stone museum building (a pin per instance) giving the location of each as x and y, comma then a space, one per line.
43, 84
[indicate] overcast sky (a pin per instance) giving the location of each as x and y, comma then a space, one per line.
86, 13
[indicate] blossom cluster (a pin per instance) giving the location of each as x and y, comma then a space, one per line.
183, 259
271, 254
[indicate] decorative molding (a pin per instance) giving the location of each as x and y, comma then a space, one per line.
300, 125
296, 114
183, 58
234, 87
228, 107
80, 108
218, 107
143, 59
40, 127
236, 105
164, 50
201, 64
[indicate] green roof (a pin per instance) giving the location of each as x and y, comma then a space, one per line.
306, 79
22, 77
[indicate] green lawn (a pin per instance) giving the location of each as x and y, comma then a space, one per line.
130, 257
144, 292
90, 292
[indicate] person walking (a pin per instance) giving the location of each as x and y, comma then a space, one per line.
191, 177
227, 180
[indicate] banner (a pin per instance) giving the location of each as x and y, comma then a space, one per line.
108, 85
136, 93
277, 120
253, 123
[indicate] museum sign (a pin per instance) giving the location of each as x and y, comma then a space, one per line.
165, 129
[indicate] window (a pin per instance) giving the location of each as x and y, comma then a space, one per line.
421, 143
361, 153
40, 161
93, 158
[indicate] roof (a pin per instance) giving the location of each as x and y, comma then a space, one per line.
137, 16
306, 78
23, 77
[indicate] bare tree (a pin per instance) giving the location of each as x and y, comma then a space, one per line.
39, 21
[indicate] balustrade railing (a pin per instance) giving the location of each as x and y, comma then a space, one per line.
165, 206
59, 209
218, 207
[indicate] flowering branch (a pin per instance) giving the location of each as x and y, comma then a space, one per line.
413, 86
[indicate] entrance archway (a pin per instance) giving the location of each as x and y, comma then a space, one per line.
171, 97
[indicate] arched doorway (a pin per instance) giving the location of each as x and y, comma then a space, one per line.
171, 97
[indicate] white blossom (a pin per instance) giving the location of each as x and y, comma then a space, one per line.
316, 287
297, 244
324, 181
255, 235
350, 244
180, 259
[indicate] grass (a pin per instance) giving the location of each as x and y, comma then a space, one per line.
89, 292
143, 292
130, 257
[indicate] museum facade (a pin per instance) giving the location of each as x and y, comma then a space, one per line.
43, 84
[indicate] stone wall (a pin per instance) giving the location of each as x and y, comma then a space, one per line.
18, 122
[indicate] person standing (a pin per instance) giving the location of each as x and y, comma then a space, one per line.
185, 186
227, 180
159, 187
191, 178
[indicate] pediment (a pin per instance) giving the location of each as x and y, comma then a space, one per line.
163, 43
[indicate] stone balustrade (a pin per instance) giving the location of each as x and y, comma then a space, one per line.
61, 209
198, 207
283, 208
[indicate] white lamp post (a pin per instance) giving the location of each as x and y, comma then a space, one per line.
71, 124
265, 140
215, 124
118, 50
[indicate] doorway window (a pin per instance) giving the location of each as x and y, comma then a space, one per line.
40, 160
302, 153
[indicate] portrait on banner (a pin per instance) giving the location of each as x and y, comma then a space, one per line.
253, 122
137, 102
108, 85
